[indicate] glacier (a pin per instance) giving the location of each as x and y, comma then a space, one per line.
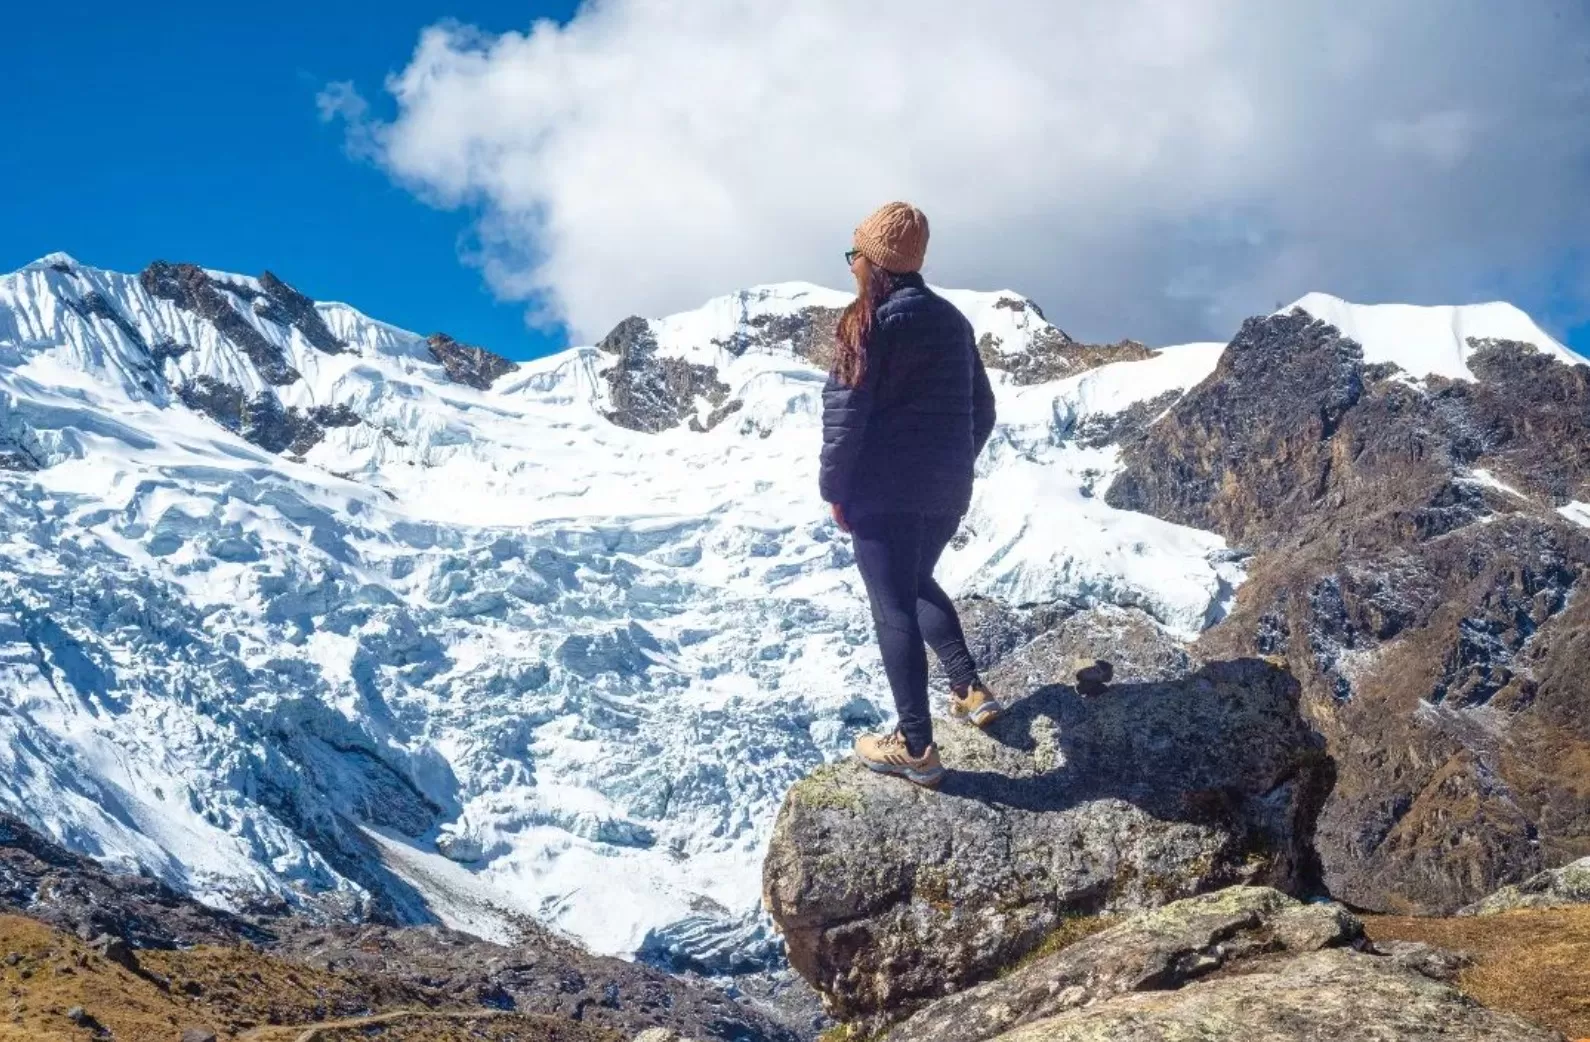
293, 615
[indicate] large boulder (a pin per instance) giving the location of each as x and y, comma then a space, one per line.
1556, 888
1338, 994
890, 896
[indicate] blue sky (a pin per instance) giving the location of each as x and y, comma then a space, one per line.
1434, 170
188, 131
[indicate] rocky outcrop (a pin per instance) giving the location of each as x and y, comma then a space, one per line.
1413, 572
467, 364
20, 448
1338, 994
650, 393
292, 308
262, 419
1556, 888
541, 974
428, 966
190, 287
811, 333
220, 401
1154, 951
1252, 443
1138, 647
291, 430
890, 896
94, 305
73, 893
1052, 355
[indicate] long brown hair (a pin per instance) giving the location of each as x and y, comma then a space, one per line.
873, 286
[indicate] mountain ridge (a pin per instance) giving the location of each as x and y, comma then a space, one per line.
491, 637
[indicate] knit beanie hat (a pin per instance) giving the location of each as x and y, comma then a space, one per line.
894, 237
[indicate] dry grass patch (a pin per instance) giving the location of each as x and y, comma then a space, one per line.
1535, 964
239, 993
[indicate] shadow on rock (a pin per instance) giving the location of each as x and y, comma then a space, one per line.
1179, 750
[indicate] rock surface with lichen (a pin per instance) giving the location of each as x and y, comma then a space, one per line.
1555, 888
1154, 951
1337, 994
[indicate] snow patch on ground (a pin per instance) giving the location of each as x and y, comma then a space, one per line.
1578, 513
1485, 479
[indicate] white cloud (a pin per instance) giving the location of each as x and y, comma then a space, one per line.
1155, 168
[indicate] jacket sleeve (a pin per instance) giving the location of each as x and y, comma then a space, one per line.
983, 414
846, 413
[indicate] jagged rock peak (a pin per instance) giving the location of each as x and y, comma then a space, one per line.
192, 288
631, 337
299, 312
652, 392
467, 363
1417, 566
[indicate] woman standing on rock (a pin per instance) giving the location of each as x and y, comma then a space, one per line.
906, 411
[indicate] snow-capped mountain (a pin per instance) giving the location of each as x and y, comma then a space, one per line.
302, 605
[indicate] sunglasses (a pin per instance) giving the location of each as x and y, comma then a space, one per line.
850, 256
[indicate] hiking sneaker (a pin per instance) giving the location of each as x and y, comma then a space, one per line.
887, 754
977, 705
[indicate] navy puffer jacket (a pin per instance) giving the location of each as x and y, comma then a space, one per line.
905, 438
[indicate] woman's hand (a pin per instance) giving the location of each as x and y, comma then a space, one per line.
839, 517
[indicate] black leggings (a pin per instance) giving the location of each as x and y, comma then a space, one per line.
896, 554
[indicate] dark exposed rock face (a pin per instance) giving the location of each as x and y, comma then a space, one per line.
809, 333
189, 287
1154, 951
1129, 424
94, 304
221, 402
1055, 356
1230, 455
1431, 618
262, 419
166, 351
299, 312
19, 443
542, 973
467, 364
655, 394
889, 896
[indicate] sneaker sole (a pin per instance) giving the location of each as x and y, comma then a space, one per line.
926, 779
982, 716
